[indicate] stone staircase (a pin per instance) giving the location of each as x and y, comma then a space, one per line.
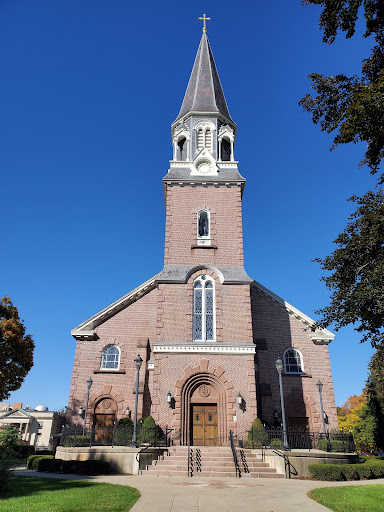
210, 461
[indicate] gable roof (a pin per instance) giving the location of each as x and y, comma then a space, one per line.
15, 412
86, 328
319, 336
204, 92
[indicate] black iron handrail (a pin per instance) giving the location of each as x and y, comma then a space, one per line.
287, 464
233, 448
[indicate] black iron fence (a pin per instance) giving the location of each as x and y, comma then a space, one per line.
115, 436
267, 438
333, 441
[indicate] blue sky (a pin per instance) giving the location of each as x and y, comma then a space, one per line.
88, 93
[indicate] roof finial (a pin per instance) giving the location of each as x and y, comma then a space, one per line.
204, 18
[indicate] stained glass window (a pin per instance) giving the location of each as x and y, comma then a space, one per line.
110, 358
203, 309
293, 361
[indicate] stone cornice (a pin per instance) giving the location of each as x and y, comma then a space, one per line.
195, 347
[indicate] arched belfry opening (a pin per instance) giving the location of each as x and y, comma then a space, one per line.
202, 398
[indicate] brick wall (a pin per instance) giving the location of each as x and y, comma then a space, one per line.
182, 206
275, 331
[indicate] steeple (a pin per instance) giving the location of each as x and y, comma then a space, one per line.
204, 134
204, 92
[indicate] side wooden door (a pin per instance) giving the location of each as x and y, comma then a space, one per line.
104, 424
204, 425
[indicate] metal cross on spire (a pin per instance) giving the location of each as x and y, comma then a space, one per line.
204, 18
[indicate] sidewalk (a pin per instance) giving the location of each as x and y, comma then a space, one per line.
182, 494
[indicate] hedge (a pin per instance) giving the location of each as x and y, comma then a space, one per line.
36, 460
364, 471
31, 458
77, 441
336, 445
79, 467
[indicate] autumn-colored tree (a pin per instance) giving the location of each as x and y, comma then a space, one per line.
355, 416
16, 349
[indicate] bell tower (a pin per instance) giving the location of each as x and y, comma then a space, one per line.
203, 187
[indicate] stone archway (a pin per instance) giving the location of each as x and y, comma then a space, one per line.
299, 406
198, 381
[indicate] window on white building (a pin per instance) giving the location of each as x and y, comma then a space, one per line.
110, 358
204, 309
293, 361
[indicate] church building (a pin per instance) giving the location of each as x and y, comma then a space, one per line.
208, 334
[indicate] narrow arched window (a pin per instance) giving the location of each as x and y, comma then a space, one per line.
204, 309
225, 150
203, 230
182, 149
110, 358
293, 361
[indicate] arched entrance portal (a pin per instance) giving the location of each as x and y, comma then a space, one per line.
204, 411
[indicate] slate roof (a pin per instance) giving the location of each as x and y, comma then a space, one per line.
204, 92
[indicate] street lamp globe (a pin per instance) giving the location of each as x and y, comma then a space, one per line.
138, 362
279, 365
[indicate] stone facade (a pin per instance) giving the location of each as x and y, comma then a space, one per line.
208, 334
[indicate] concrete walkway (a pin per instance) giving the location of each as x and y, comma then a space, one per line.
182, 494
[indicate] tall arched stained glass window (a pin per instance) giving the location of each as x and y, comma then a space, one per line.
204, 309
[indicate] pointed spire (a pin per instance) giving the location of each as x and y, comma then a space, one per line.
204, 92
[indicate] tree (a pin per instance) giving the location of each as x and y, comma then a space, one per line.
352, 106
16, 353
356, 416
375, 393
357, 272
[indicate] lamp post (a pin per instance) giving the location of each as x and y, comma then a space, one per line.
319, 386
279, 368
138, 362
89, 384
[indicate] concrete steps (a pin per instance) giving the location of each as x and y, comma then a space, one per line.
210, 461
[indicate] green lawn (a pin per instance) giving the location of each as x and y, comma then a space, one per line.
355, 498
32, 494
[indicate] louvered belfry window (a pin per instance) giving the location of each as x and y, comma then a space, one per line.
204, 139
204, 309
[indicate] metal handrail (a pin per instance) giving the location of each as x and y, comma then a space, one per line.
237, 467
287, 464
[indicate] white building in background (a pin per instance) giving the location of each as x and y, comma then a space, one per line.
36, 426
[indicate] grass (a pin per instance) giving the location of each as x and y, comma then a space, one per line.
356, 498
32, 494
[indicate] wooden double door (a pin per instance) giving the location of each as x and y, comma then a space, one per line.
104, 424
204, 425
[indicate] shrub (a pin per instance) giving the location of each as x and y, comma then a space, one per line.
256, 435
148, 430
79, 467
336, 445
77, 440
326, 471
276, 442
36, 460
125, 422
124, 432
362, 471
